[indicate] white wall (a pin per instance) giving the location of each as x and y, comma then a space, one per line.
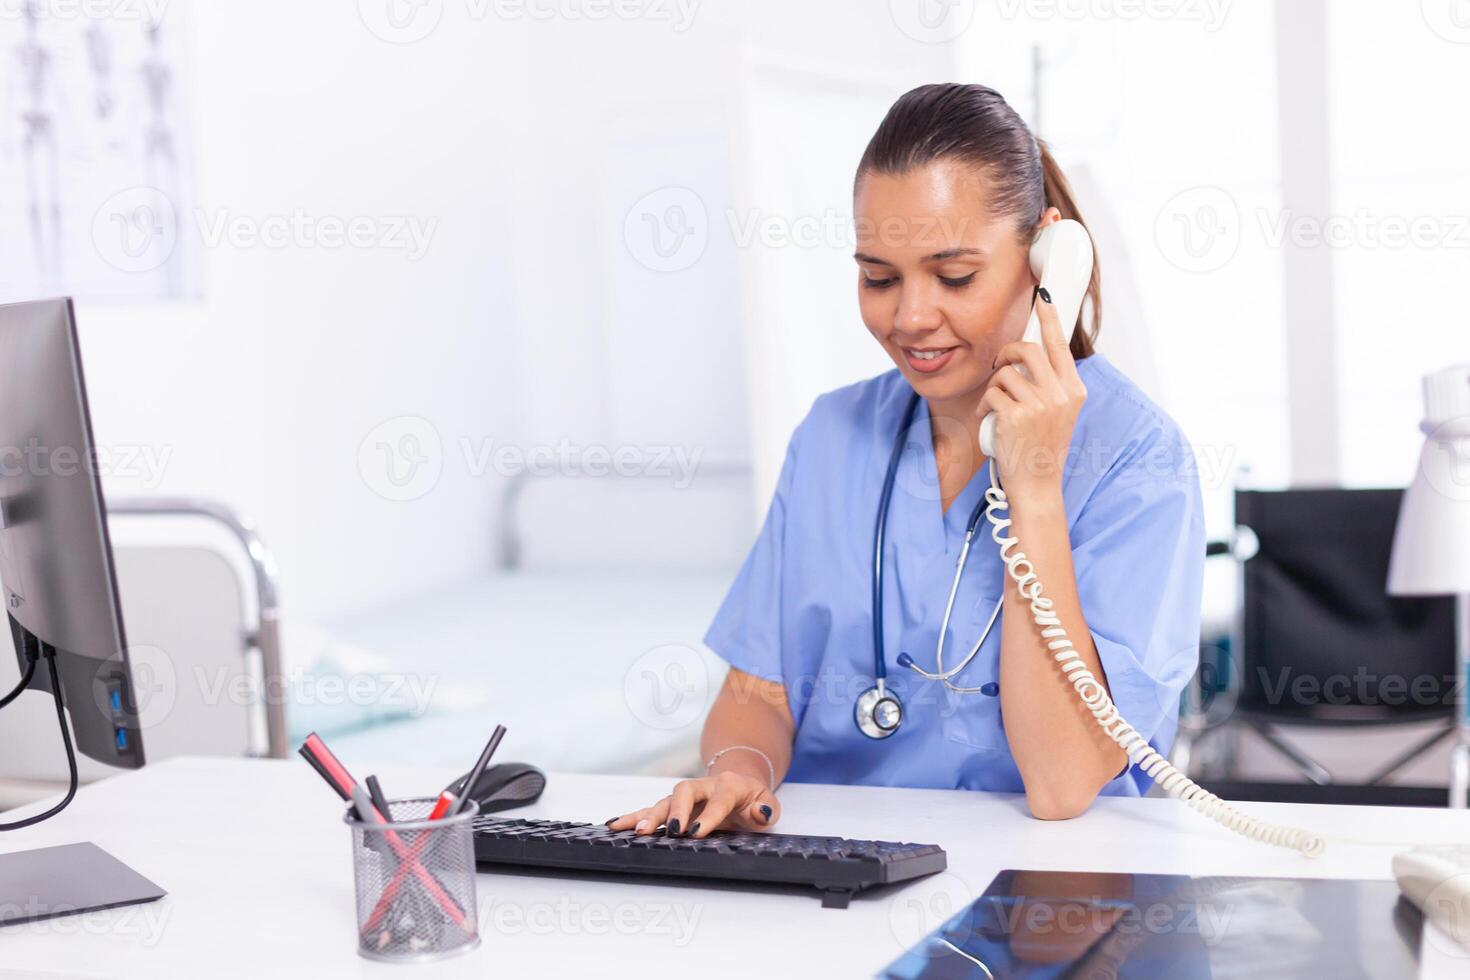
539, 148
677, 130
263, 392
1400, 217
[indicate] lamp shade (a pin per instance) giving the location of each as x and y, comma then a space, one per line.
1431, 544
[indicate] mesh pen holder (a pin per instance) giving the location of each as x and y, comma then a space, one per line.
415, 882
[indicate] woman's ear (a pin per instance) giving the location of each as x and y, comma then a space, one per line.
1048, 217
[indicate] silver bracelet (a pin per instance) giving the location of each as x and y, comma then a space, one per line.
749, 748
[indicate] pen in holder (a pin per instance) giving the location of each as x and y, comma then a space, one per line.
415, 882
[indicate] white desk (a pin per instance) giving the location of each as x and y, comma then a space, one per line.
257, 863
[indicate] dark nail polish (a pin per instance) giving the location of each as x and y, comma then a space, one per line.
694, 829
765, 811
672, 830
1045, 296
609, 823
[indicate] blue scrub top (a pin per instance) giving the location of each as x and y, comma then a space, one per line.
799, 612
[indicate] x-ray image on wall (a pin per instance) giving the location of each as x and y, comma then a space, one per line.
96, 185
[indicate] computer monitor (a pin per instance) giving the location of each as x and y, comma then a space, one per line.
56, 569
60, 590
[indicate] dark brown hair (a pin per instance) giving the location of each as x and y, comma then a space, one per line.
974, 125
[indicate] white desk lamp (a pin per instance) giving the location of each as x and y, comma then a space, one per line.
1431, 545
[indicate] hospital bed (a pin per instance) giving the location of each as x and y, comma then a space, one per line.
584, 640
589, 671
198, 593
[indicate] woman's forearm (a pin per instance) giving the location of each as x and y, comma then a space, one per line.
754, 712
1063, 756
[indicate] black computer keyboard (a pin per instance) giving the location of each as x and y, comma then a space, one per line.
838, 867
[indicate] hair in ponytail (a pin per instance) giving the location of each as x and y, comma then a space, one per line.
974, 125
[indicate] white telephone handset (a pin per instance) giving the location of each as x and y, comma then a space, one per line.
1061, 260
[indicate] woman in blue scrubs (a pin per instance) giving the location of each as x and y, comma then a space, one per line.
1102, 491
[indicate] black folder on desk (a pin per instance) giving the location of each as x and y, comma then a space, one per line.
1045, 924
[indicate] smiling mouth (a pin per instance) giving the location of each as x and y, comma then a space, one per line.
929, 360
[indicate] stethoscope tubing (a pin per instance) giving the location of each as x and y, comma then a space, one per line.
880, 666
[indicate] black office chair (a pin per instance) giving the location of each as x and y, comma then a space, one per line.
1318, 642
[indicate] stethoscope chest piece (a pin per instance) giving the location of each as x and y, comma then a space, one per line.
878, 712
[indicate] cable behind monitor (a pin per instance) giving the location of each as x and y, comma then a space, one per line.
48, 652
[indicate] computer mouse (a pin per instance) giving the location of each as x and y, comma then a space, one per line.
503, 786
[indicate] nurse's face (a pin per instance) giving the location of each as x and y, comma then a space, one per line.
943, 284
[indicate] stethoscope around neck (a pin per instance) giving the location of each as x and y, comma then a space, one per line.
878, 712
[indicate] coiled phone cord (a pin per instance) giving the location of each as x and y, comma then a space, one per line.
1105, 712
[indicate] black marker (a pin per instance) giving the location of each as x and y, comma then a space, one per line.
478, 771
375, 793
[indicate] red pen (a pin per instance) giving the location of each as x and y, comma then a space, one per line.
446, 800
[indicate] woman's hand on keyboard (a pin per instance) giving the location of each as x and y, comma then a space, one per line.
723, 801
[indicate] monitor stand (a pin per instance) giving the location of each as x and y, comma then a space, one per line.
65, 880
70, 878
